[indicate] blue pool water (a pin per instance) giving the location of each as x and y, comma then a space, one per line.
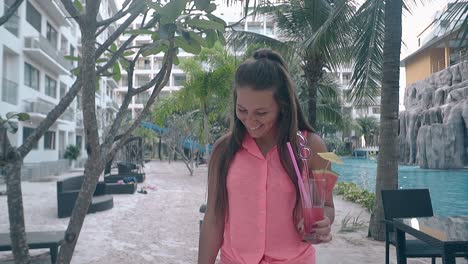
448, 188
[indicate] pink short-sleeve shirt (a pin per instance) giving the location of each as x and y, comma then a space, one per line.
259, 225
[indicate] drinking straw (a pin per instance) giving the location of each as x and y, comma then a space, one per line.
298, 174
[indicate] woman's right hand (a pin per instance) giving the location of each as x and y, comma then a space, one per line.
321, 233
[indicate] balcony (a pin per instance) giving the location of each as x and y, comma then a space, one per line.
9, 91
40, 50
38, 110
111, 104
54, 9
12, 24
68, 115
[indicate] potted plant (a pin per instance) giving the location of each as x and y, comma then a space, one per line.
72, 152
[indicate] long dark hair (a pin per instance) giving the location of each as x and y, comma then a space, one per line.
265, 71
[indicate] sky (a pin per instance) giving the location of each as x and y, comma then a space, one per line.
413, 23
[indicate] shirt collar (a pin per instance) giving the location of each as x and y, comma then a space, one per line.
251, 146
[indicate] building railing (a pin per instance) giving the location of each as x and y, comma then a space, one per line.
112, 104
43, 107
457, 59
68, 115
39, 42
12, 23
9, 91
39, 106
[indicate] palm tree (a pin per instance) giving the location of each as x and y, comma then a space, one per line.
375, 58
206, 92
368, 127
316, 35
208, 86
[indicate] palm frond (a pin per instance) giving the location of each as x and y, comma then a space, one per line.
329, 113
334, 36
457, 15
240, 40
328, 87
367, 68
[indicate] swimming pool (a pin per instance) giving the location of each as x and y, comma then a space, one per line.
448, 188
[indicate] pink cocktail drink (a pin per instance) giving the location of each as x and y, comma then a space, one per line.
311, 216
313, 211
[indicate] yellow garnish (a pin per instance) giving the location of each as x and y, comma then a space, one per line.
330, 156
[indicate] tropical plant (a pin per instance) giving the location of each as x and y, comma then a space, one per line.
351, 224
72, 152
206, 93
354, 193
368, 126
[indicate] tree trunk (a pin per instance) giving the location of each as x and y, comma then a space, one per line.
206, 131
159, 148
94, 164
387, 165
313, 72
13, 161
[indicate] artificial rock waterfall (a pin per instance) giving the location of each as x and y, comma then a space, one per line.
434, 127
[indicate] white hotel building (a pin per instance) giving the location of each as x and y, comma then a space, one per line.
35, 76
146, 69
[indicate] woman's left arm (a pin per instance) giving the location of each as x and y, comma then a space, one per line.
317, 163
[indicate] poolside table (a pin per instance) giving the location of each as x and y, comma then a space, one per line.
449, 234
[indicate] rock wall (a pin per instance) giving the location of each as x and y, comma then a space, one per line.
434, 127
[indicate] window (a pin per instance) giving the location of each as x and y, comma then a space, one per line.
72, 50
52, 35
124, 81
142, 79
142, 98
31, 76
63, 89
33, 16
147, 64
79, 142
376, 110
49, 140
63, 45
157, 63
27, 131
50, 87
179, 80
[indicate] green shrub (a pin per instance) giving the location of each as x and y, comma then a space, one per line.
351, 192
72, 152
335, 144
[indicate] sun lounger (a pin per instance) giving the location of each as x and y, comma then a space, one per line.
37, 240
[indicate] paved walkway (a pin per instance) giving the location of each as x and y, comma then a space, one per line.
162, 226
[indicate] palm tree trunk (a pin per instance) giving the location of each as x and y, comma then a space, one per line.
11, 157
313, 72
387, 168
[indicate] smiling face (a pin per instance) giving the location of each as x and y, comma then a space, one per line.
258, 111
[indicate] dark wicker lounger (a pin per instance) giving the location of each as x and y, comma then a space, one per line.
36, 240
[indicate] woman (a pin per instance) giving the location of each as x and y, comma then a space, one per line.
253, 209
